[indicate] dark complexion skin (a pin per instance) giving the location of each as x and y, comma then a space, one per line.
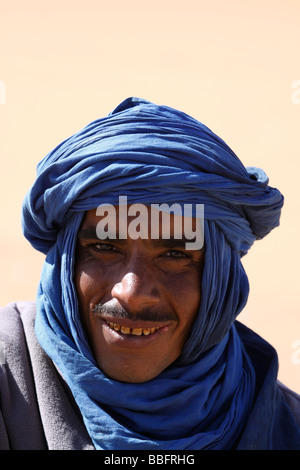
137, 300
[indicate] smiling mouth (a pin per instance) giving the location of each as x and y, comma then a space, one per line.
132, 331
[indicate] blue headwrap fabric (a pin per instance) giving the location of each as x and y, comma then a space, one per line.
153, 154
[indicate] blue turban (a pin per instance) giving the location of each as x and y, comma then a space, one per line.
153, 154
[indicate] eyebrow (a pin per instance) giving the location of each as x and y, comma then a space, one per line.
90, 233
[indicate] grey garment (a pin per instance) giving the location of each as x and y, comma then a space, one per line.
37, 410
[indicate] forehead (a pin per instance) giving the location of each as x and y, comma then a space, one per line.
140, 221
134, 219
128, 212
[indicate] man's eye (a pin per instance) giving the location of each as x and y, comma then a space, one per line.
176, 254
103, 247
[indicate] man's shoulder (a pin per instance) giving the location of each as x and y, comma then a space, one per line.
14, 319
13, 316
293, 400
19, 307
263, 356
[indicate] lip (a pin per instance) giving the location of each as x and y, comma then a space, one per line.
130, 340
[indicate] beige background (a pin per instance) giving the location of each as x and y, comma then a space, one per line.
231, 64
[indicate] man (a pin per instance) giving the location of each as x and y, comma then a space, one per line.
134, 343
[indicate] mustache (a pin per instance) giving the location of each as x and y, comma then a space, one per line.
145, 314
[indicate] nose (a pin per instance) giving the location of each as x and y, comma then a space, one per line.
137, 288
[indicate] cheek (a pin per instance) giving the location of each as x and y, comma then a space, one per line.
84, 284
90, 288
88, 281
184, 293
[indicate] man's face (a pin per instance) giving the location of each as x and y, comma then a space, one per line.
137, 300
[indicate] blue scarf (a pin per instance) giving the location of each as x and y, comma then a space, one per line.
153, 154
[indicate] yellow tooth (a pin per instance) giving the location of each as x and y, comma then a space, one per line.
137, 331
125, 330
146, 331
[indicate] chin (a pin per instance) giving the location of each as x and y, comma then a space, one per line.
129, 376
132, 378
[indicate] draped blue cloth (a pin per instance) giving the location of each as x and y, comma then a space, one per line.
153, 154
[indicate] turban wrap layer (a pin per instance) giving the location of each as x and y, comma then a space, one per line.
153, 154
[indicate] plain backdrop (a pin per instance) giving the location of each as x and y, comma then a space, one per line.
234, 65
